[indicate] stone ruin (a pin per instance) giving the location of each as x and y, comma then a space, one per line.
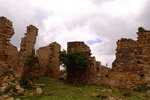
10, 58
131, 66
8, 52
132, 63
88, 76
49, 59
27, 45
134, 56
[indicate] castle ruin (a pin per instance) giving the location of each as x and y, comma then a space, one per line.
131, 66
10, 58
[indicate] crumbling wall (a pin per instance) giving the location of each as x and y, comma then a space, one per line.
134, 56
123, 80
80, 76
132, 63
49, 59
8, 52
27, 45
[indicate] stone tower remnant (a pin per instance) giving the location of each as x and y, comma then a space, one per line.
27, 44
8, 52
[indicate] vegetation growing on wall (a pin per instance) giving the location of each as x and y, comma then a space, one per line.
73, 60
31, 64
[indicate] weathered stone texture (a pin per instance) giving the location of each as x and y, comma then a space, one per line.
123, 80
134, 56
80, 76
6, 32
49, 59
8, 52
79, 46
13, 56
3, 67
27, 44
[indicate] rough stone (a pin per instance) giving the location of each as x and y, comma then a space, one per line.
3, 67
21, 91
134, 56
39, 91
27, 45
123, 80
18, 87
8, 52
49, 59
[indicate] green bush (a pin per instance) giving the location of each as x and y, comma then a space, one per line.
25, 84
127, 94
11, 72
31, 64
32, 60
142, 87
37, 66
49, 66
73, 60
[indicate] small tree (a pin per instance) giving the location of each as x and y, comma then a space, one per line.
75, 63
73, 60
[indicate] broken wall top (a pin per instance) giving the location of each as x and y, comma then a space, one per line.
79, 46
6, 28
134, 56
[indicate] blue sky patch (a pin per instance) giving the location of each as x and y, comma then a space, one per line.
91, 42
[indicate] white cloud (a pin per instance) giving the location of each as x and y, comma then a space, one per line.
77, 20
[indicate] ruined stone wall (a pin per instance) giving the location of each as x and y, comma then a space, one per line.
79, 46
49, 59
27, 44
8, 52
134, 56
123, 80
79, 76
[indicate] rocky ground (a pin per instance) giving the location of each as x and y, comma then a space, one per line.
58, 89
10, 87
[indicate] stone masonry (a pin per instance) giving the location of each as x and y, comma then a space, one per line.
27, 44
134, 56
131, 66
8, 52
10, 58
49, 59
83, 77
132, 63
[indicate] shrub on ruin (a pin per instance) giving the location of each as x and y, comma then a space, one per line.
31, 64
143, 87
49, 66
127, 94
32, 61
7, 73
73, 60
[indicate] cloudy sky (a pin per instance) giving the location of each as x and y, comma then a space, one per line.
99, 23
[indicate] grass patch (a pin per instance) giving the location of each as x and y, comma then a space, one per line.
56, 89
